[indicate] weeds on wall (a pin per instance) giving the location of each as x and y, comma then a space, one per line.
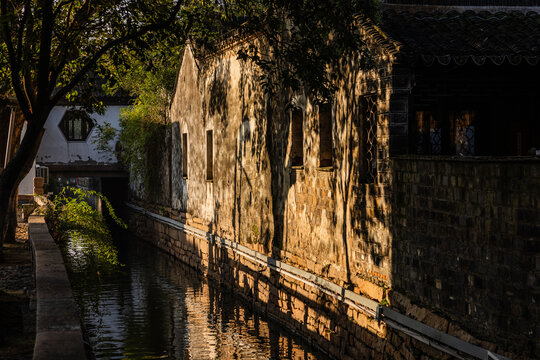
143, 124
140, 133
76, 224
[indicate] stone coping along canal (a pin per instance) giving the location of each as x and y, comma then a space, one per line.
58, 329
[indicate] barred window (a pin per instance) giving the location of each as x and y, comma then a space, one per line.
76, 125
369, 116
209, 155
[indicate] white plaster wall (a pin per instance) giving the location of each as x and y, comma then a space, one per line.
55, 149
26, 186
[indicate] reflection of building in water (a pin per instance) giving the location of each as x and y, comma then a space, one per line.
158, 308
201, 334
210, 324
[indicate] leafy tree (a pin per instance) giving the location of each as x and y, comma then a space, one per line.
53, 50
142, 123
305, 39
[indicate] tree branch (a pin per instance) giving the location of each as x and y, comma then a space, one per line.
61, 5
14, 65
26, 54
22, 24
110, 45
47, 21
61, 51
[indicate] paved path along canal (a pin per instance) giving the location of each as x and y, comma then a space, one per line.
156, 307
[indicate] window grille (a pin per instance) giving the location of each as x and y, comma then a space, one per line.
429, 134
76, 125
445, 132
463, 123
369, 113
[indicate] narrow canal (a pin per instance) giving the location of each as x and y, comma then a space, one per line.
155, 307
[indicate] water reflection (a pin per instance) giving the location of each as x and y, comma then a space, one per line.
158, 308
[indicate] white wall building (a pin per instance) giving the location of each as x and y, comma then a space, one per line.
68, 138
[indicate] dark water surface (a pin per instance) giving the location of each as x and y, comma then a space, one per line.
158, 308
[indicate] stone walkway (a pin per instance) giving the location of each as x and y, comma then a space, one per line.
58, 327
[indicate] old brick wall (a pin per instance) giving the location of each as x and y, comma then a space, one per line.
466, 239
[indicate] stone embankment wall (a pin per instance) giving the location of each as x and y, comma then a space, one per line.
466, 240
331, 317
341, 330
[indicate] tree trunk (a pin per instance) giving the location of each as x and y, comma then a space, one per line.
12, 220
16, 132
17, 168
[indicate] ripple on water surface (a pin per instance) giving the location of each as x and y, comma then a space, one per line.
158, 308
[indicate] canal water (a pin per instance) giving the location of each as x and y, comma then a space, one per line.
156, 307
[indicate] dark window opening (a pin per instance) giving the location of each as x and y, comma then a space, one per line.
297, 137
369, 116
184, 156
474, 111
448, 132
209, 155
76, 125
325, 135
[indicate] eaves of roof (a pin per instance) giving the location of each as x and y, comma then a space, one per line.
460, 37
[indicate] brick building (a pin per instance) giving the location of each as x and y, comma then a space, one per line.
417, 185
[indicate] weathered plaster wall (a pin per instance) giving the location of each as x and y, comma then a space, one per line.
221, 95
320, 217
27, 184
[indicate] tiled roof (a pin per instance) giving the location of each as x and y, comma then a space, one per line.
462, 37
465, 2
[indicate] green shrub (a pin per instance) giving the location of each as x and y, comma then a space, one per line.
74, 221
